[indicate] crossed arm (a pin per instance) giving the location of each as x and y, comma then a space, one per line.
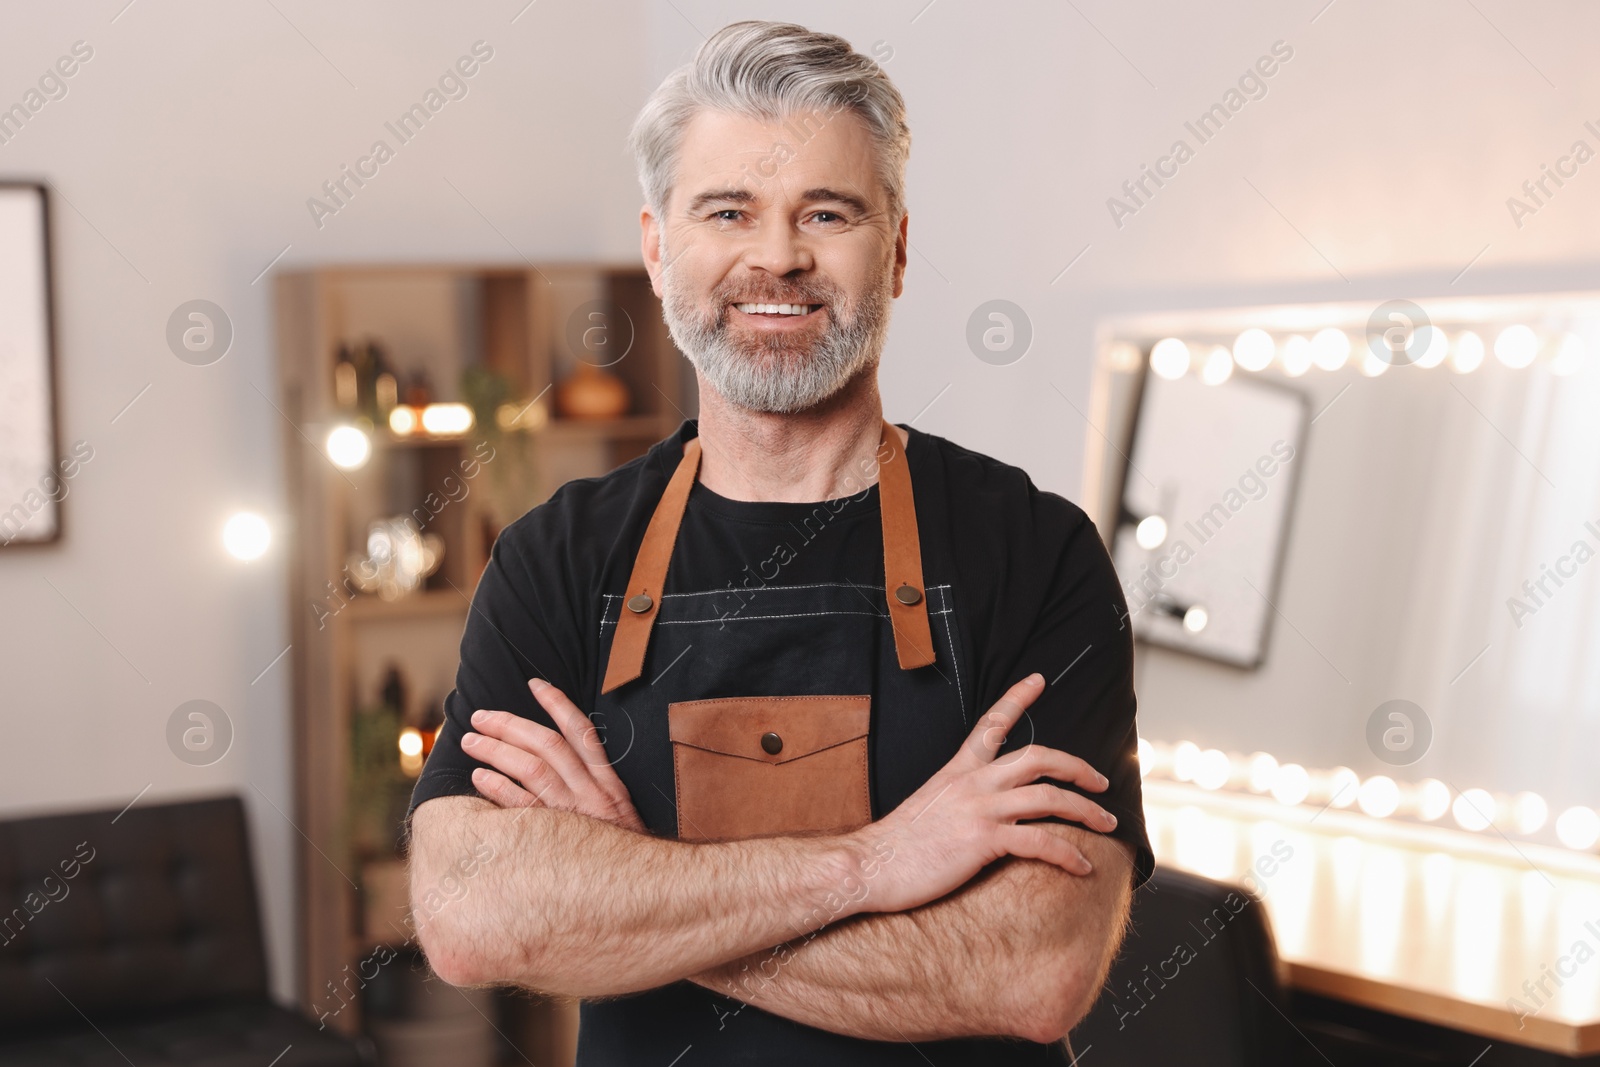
1024, 940
1017, 946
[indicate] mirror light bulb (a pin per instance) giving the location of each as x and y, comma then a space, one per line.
1467, 353
1529, 811
1291, 785
1516, 346
1218, 366
1438, 348
1296, 357
1170, 359
1344, 785
1253, 350
1330, 348
1185, 761
1570, 355
1578, 828
1213, 769
1474, 810
1433, 799
1379, 796
1263, 768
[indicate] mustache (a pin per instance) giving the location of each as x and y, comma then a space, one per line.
806, 294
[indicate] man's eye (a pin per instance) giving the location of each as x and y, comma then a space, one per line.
722, 215
835, 216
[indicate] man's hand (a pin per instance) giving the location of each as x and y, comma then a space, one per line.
537, 767
965, 816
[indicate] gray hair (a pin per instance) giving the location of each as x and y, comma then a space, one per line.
769, 71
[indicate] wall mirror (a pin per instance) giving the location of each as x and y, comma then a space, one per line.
1399, 607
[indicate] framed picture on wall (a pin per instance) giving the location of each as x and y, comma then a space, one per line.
31, 488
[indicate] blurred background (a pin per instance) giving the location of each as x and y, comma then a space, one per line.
1340, 345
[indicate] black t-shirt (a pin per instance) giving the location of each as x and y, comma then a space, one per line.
1032, 589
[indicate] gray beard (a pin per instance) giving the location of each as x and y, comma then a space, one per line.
778, 374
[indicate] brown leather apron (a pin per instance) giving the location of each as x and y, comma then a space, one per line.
745, 766
805, 700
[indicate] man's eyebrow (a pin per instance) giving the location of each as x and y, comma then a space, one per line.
850, 200
720, 196
745, 196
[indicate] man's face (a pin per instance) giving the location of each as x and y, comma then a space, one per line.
791, 215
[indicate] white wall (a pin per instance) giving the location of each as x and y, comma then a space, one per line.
190, 143
191, 140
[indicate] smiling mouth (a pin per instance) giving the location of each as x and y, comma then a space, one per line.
777, 309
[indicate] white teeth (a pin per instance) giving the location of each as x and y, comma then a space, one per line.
774, 309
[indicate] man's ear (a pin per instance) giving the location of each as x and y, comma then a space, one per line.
900, 242
650, 247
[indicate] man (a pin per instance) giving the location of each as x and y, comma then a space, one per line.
783, 743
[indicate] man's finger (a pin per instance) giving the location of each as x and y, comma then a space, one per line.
580, 732
990, 733
1040, 761
518, 764
1042, 800
502, 790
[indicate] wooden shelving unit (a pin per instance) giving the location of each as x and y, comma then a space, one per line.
530, 326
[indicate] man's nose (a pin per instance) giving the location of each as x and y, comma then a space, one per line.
779, 248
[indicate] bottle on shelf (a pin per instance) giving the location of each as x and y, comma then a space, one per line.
346, 380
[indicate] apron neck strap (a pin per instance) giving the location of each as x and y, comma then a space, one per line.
902, 562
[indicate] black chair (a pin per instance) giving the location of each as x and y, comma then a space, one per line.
135, 937
1196, 983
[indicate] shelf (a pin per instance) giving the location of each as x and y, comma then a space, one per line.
512, 320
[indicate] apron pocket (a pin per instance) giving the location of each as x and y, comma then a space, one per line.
759, 766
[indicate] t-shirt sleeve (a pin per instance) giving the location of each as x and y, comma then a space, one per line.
522, 624
1080, 640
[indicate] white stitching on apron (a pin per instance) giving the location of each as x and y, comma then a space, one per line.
605, 611
945, 591
764, 618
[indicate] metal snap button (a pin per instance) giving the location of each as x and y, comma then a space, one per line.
772, 743
640, 604
908, 594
